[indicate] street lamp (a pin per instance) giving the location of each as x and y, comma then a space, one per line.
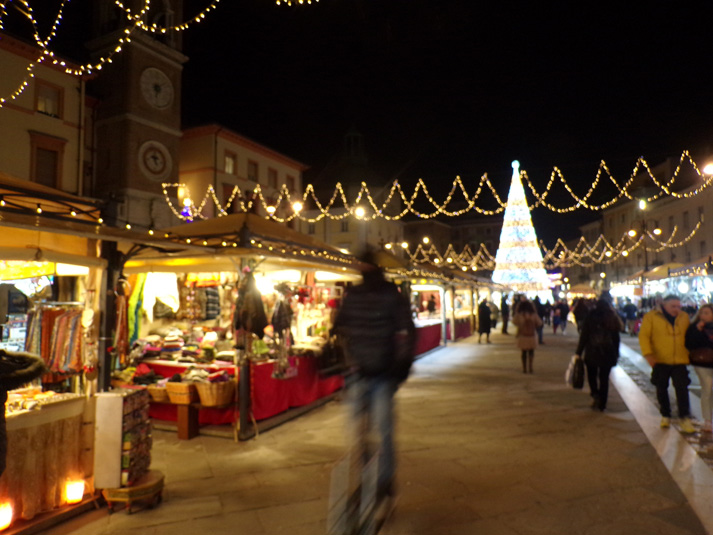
426, 240
644, 233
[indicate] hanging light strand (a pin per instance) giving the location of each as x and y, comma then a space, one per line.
338, 206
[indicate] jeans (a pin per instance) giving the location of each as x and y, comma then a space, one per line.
705, 376
598, 379
678, 374
539, 333
372, 404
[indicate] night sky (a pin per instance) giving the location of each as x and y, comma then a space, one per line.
459, 87
441, 88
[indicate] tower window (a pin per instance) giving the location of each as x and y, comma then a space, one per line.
48, 99
252, 171
272, 177
230, 162
47, 156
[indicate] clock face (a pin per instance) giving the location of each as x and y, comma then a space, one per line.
155, 160
156, 88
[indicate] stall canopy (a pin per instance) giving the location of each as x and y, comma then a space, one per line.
702, 266
662, 271
53, 226
583, 290
236, 235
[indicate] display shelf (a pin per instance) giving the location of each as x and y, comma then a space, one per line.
123, 437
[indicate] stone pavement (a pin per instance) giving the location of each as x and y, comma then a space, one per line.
483, 449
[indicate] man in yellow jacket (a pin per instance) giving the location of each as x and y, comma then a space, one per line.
662, 340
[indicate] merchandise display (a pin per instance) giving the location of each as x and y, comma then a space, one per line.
122, 437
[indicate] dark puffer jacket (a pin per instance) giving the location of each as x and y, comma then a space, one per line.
375, 323
16, 369
599, 339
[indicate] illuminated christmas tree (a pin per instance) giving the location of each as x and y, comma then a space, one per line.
518, 262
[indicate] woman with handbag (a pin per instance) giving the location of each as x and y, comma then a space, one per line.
699, 342
599, 341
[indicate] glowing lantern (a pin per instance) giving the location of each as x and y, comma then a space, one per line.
74, 491
5, 516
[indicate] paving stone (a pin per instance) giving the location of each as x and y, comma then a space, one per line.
482, 449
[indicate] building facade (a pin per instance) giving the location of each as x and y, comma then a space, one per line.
216, 156
46, 129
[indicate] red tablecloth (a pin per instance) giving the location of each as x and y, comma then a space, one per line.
427, 337
269, 396
463, 329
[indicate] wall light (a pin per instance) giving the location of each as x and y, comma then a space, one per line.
5, 516
74, 491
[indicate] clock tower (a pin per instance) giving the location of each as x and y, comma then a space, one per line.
138, 119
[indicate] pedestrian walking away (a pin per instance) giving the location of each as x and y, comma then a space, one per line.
494, 313
631, 313
527, 322
378, 332
505, 311
599, 343
564, 315
662, 338
580, 309
543, 313
699, 342
484, 321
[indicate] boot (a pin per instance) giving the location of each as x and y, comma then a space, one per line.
530, 358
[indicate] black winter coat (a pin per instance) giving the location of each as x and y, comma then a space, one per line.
16, 369
376, 325
696, 339
485, 323
599, 343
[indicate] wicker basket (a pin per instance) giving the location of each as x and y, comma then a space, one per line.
216, 394
159, 394
182, 393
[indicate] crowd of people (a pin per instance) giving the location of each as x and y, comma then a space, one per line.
376, 325
671, 338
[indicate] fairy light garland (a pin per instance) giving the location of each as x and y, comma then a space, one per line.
291, 3
46, 55
583, 254
158, 29
338, 206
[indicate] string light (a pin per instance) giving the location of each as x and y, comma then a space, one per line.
583, 254
139, 17
291, 3
47, 55
338, 206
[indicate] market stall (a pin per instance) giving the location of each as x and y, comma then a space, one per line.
288, 275
49, 281
52, 280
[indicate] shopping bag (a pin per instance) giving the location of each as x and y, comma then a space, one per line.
574, 376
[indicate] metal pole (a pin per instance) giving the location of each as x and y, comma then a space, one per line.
245, 430
444, 317
453, 313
